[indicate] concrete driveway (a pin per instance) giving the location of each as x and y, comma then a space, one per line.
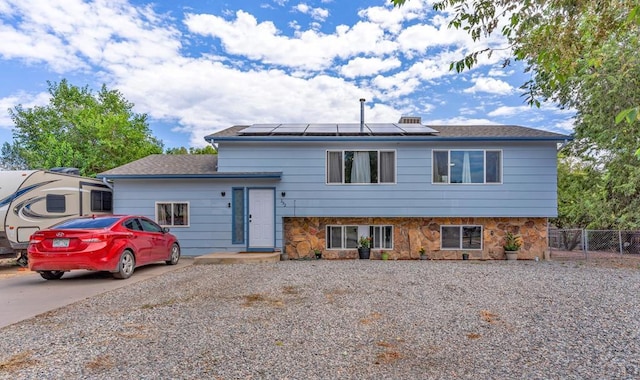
24, 294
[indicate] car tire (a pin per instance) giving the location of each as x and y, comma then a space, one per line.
175, 255
51, 274
126, 265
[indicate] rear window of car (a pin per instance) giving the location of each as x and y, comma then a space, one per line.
85, 223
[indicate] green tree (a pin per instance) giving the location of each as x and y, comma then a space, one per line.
583, 55
580, 192
182, 150
556, 39
92, 132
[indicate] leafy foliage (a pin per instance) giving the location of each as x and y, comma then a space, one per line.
583, 55
512, 242
557, 39
78, 129
182, 150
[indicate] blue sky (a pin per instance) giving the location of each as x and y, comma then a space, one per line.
198, 67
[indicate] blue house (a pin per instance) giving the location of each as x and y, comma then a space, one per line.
302, 187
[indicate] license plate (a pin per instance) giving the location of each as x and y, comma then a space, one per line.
60, 243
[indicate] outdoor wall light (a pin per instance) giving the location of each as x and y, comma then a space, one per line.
223, 193
283, 194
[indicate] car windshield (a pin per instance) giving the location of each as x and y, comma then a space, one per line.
86, 223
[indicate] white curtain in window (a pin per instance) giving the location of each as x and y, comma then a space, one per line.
335, 167
387, 167
164, 212
361, 168
180, 217
466, 168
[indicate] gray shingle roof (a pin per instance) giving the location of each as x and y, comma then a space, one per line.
471, 131
168, 164
491, 131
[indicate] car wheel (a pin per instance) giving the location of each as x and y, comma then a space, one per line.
175, 255
51, 274
126, 265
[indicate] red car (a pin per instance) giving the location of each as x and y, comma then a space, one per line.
113, 243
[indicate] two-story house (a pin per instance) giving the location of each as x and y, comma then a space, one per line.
300, 187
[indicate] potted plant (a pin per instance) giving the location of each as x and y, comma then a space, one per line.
465, 255
423, 254
384, 255
512, 244
318, 253
364, 247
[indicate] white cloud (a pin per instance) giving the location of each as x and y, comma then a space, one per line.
73, 35
310, 50
21, 98
459, 120
489, 85
250, 71
368, 66
319, 14
506, 111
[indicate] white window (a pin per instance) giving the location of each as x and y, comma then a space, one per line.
381, 236
461, 237
172, 214
467, 166
346, 237
342, 237
356, 166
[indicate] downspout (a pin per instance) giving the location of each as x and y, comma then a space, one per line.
362, 100
104, 180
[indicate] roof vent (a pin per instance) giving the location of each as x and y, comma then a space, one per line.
74, 171
410, 120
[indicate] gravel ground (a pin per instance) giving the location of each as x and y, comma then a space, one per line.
344, 320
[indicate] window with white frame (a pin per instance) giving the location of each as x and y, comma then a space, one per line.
461, 237
467, 166
172, 214
381, 237
361, 166
346, 237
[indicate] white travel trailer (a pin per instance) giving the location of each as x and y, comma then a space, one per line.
31, 200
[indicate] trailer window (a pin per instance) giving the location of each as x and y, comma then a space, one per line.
101, 201
56, 203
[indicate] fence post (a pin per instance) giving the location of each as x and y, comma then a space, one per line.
585, 243
620, 241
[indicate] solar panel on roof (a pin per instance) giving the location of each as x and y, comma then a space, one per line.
387, 129
259, 128
322, 128
351, 129
416, 128
291, 129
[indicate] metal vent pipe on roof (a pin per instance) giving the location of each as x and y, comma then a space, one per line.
362, 100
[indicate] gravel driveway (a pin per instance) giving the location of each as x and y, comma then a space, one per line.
344, 320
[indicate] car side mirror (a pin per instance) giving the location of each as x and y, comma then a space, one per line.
165, 229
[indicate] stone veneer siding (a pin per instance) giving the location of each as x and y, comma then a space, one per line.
304, 234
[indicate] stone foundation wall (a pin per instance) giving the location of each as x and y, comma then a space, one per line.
303, 235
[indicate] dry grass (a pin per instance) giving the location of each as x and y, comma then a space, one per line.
169, 302
291, 290
375, 316
101, 363
17, 362
133, 331
473, 336
489, 317
387, 357
257, 298
331, 294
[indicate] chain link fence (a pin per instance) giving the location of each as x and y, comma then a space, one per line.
593, 244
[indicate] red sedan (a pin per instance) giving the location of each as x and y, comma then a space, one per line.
113, 243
